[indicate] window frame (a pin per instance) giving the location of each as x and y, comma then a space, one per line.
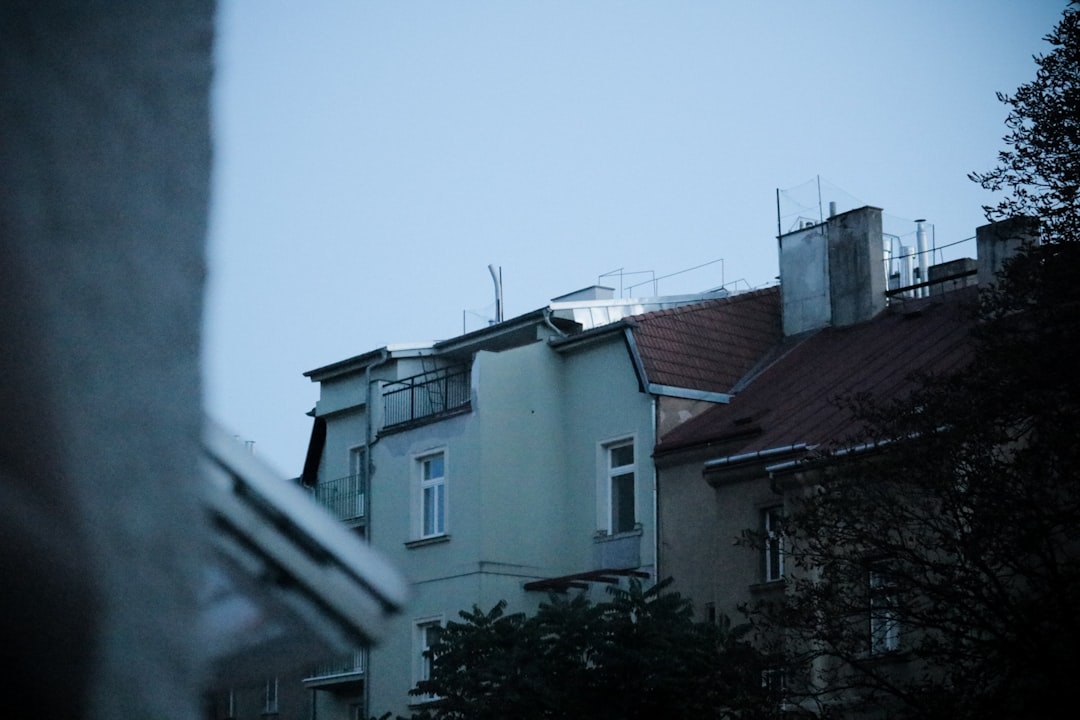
611, 508
772, 555
883, 624
422, 665
438, 487
358, 467
271, 698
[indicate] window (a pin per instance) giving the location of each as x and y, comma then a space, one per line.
428, 633
432, 495
620, 475
773, 548
884, 614
774, 680
357, 486
270, 707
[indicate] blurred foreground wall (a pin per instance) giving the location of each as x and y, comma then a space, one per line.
104, 183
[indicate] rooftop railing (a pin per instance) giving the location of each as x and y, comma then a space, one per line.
427, 395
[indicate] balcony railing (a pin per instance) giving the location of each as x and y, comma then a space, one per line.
345, 498
426, 395
342, 669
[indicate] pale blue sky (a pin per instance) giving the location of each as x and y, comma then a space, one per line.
372, 158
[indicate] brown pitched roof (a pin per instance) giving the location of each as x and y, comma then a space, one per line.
792, 400
709, 345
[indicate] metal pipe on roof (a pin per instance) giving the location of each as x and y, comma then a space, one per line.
924, 261
497, 278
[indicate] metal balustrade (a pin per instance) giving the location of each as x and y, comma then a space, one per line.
426, 395
345, 498
340, 668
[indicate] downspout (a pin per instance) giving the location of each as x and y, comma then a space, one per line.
547, 321
656, 493
369, 440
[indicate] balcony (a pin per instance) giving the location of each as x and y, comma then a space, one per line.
346, 670
426, 397
345, 498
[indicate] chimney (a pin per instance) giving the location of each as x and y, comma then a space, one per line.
997, 241
833, 273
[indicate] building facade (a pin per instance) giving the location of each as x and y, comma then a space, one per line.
514, 460
850, 328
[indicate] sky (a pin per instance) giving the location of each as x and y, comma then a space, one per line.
373, 158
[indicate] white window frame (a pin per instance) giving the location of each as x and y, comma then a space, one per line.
431, 488
608, 504
358, 468
884, 615
772, 562
270, 706
421, 664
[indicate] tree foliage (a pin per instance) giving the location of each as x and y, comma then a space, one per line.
938, 573
638, 654
1039, 170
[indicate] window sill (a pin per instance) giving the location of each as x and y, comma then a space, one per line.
767, 587
603, 535
424, 542
878, 658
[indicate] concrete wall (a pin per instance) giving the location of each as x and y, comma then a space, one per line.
998, 241
804, 279
857, 281
700, 525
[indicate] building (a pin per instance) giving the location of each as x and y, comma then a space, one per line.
514, 460
849, 328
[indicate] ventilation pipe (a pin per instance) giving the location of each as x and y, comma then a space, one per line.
496, 276
924, 259
907, 268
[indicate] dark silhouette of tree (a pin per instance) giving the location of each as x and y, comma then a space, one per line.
1039, 169
936, 573
640, 654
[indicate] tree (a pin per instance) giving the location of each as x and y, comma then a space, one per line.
1040, 167
638, 654
937, 573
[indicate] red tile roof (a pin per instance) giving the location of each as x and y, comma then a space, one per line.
709, 345
792, 400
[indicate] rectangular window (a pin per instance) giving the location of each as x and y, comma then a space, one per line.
270, 707
774, 680
623, 517
427, 635
432, 495
884, 613
773, 548
357, 490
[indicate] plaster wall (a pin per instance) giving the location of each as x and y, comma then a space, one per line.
857, 279
604, 404
804, 279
